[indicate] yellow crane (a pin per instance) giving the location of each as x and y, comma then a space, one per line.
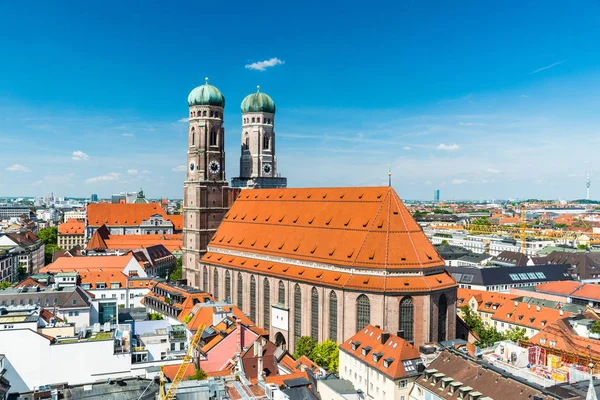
523, 231
170, 394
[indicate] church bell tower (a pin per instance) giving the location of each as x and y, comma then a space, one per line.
206, 197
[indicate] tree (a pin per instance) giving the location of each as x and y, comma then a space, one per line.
595, 328
582, 246
49, 250
4, 285
177, 273
418, 214
49, 235
199, 375
481, 221
305, 346
22, 272
445, 242
326, 354
155, 316
515, 334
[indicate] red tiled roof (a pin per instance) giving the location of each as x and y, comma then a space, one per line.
69, 264
130, 214
564, 338
587, 291
172, 242
72, 227
395, 349
29, 282
527, 315
177, 221
558, 287
171, 370
379, 283
367, 227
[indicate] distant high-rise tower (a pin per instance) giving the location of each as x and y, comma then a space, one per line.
587, 185
94, 197
436, 196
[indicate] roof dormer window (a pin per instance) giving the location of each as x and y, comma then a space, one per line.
355, 345
387, 362
366, 350
377, 356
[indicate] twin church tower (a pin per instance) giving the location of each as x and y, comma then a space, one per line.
206, 193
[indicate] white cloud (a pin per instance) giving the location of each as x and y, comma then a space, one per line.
79, 156
179, 168
407, 148
263, 65
112, 176
184, 120
128, 135
448, 147
18, 168
458, 181
36, 183
548, 66
132, 171
492, 171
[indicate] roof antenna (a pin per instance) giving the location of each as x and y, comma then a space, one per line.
389, 176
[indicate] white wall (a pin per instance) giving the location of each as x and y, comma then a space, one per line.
32, 361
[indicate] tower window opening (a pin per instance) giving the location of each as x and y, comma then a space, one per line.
266, 143
258, 120
253, 119
213, 138
211, 114
204, 113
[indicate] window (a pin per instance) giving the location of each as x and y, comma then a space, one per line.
253, 299
205, 279
74, 302
213, 138
442, 314
363, 312
240, 291
333, 310
314, 314
407, 313
227, 286
266, 304
216, 284
297, 313
281, 295
402, 383
122, 296
266, 142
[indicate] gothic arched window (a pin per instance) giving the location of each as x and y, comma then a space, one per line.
281, 295
193, 137
314, 313
240, 291
253, 299
205, 279
266, 304
213, 138
216, 284
227, 286
246, 141
333, 309
407, 315
266, 142
253, 119
442, 313
363, 312
297, 314
204, 113
211, 114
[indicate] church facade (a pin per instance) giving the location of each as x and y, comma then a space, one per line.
320, 262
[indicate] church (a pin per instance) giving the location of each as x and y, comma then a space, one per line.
320, 262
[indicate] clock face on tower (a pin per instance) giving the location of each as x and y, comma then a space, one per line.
214, 167
267, 169
192, 166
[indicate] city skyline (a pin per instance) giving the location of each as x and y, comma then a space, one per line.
510, 113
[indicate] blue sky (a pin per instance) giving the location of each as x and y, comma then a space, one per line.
479, 99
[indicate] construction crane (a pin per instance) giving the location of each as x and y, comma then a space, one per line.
170, 394
523, 231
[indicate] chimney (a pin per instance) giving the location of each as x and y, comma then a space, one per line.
528, 306
562, 312
538, 308
384, 337
400, 334
516, 303
259, 363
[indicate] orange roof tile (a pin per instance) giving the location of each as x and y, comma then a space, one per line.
279, 379
129, 214
564, 338
73, 226
527, 315
171, 370
558, 287
177, 220
588, 291
172, 242
378, 283
486, 301
395, 349
29, 282
69, 264
367, 227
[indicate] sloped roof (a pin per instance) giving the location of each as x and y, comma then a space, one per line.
558, 287
67, 264
177, 220
104, 241
527, 315
121, 214
394, 349
565, 338
366, 227
73, 226
587, 291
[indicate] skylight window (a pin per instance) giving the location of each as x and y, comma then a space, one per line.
514, 277
532, 275
467, 278
540, 275
523, 276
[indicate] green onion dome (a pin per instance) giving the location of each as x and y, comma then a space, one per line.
258, 102
206, 95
